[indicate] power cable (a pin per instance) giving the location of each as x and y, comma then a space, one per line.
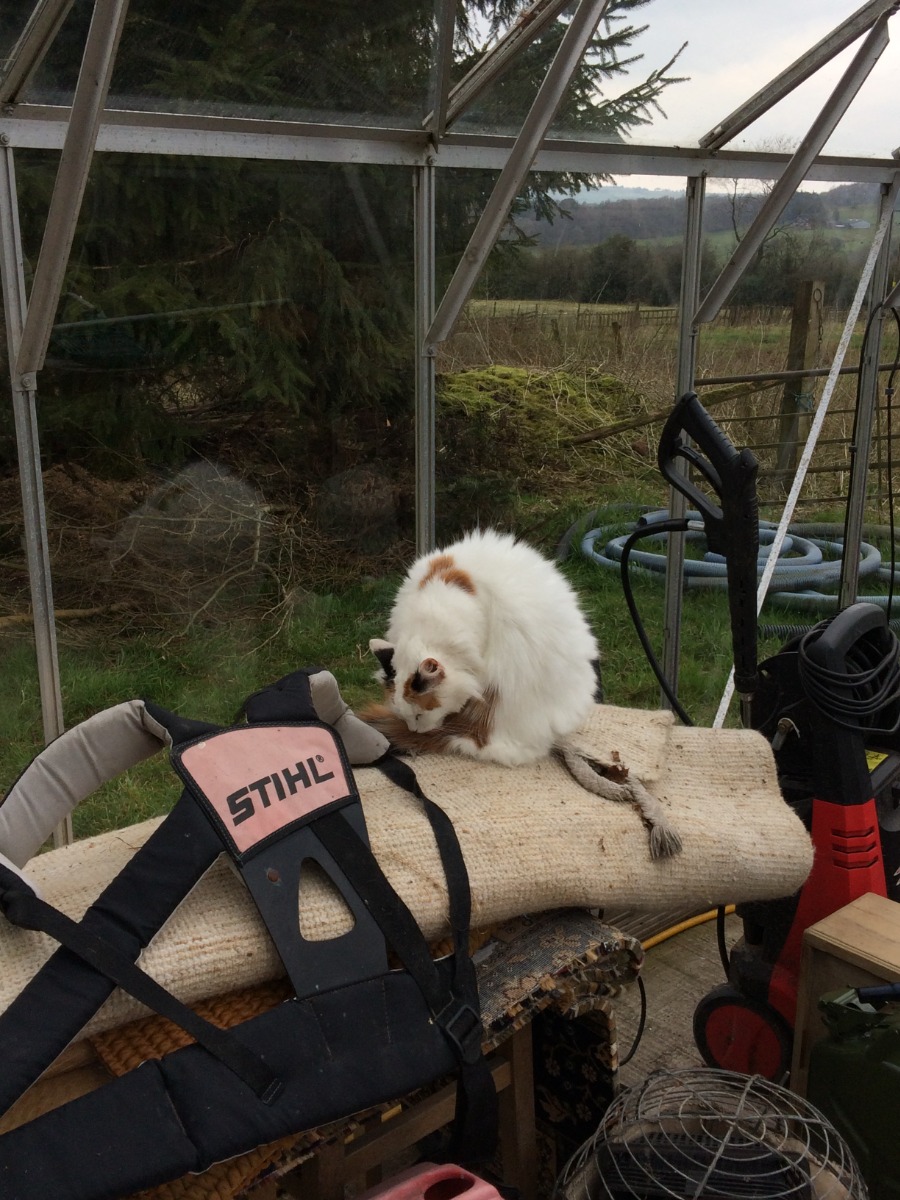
672, 526
889, 408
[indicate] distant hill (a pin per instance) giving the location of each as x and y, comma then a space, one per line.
644, 213
852, 195
606, 195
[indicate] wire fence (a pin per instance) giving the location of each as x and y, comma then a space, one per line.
742, 361
544, 314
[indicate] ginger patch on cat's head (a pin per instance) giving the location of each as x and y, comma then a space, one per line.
443, 568
420, 688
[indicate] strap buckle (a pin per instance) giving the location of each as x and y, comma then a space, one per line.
463, 1028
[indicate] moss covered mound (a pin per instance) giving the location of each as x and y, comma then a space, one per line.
503, 432
553, 405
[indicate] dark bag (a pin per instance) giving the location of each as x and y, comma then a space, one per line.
273, 793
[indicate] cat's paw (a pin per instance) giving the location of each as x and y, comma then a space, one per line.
506, 752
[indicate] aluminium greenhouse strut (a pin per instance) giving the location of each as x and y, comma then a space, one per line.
428, 146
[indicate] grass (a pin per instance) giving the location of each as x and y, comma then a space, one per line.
206, 673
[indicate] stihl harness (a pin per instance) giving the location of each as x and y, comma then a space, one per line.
272, 793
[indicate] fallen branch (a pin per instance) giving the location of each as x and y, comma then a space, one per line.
63, 614
718, 397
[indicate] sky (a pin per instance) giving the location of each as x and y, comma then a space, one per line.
735, 47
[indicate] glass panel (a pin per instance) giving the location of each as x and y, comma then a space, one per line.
556, 381
341, 62
12, 18
729, 55
652, 76
227, 432
54, 80
587, 110
657, 77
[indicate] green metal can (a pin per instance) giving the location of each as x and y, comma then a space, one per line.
854, 1080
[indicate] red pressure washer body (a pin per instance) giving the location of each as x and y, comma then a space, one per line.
818, 704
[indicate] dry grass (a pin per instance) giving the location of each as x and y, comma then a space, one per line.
640, 348
568, 416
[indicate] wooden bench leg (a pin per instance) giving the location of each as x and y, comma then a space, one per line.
518, 1137
323, 1176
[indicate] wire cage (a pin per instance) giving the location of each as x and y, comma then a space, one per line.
713, 1133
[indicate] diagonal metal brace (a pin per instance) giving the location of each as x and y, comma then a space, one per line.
71, 179
28, 53
559, 74
775, 203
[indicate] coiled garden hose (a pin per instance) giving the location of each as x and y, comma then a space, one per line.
808, 564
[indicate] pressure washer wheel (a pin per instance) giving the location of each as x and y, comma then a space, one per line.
737, 1033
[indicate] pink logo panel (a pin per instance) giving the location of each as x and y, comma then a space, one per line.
260, 779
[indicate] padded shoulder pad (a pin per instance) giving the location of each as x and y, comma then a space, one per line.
70, 769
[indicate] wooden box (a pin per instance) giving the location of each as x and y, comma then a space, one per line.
855, 946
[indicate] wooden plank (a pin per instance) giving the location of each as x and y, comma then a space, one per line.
865, 932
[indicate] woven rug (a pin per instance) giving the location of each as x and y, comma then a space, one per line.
533, 841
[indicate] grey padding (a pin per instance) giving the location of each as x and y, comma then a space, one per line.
362, 743
70, 769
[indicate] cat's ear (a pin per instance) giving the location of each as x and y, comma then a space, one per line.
384, 652
429, 674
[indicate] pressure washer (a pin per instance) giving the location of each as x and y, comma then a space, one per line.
829, 704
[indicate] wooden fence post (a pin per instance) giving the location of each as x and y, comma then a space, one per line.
617, 340
807, 321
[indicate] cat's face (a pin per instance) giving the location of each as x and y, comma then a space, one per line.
422, 691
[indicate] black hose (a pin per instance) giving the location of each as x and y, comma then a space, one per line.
786, 632
642, 990
673, 526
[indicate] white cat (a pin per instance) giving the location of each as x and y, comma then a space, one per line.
487, 653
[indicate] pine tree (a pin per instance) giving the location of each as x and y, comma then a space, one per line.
206, 297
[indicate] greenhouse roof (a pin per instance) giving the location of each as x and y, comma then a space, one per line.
696, 89
396, 82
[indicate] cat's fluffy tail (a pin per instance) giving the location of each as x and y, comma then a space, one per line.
612, 782
400, 736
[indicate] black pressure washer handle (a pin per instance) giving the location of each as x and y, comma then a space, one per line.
731, 525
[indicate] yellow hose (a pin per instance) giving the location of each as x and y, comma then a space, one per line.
700, 919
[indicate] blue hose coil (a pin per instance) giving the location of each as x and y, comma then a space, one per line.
800, 574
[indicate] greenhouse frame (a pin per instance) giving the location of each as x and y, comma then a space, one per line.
93, 119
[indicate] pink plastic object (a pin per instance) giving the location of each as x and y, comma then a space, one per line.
428, 1181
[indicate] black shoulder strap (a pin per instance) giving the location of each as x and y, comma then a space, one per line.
138, 901
98, 953
64, 994
22, 907
474, 1134
287, 699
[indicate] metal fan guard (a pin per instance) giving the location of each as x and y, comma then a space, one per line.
708, 1132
